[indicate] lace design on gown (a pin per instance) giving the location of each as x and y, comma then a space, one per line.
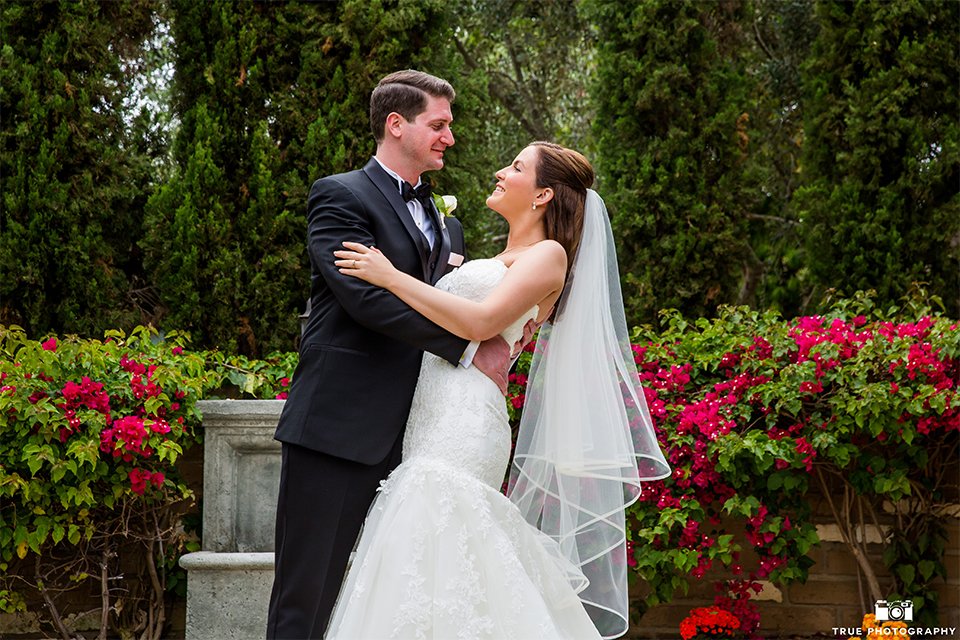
472, 431
443, 553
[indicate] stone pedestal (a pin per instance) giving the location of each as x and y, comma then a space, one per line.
227, 595
229, 582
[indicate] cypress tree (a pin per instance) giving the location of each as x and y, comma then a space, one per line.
76, 164
881, 158
270, 96
783, 32
670, 96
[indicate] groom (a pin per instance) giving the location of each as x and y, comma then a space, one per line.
342, 424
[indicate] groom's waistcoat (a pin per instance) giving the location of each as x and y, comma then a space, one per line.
361, 349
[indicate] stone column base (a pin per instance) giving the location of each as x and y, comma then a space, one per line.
227, 595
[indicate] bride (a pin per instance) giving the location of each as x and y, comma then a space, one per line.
443, 553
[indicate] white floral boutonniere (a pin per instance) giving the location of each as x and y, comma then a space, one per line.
445, 205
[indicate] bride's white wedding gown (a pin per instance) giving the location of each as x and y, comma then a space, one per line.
443, 554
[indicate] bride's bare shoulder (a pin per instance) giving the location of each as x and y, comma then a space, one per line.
548, 252
546, 257
545, 250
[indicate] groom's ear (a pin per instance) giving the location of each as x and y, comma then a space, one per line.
394, 125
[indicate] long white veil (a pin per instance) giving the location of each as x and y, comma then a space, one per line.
586, 440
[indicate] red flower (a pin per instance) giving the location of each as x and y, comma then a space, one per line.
712, 622
138, 481
50, 345
811, 387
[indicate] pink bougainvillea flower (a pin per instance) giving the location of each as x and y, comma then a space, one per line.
811, 387
138, 481
50, 345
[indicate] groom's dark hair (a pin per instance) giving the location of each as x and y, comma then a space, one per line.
404, 92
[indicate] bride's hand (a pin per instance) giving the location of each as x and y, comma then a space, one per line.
366, 263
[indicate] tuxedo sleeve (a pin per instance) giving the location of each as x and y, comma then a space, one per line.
335, 215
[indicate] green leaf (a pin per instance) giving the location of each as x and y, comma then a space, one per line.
907, 573
774, 482
927, 569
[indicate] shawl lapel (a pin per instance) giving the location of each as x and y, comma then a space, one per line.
389, 189
443, 237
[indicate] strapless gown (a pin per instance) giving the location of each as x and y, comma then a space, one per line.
443, 554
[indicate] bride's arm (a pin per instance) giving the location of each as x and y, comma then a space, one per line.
536, 276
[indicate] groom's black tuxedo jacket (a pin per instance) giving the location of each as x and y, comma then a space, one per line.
360, 352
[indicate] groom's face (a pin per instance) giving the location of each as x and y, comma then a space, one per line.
426, 138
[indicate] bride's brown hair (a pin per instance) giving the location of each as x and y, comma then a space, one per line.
569, 174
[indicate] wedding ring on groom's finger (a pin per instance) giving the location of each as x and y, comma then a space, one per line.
354, 265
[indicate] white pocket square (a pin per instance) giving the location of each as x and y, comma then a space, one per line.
455, 259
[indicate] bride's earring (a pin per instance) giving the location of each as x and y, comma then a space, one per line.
534, 205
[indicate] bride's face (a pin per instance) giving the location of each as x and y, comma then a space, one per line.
516, 189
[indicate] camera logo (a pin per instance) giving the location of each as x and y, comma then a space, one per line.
893, 610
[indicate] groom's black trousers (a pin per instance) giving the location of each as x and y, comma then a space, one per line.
323, 501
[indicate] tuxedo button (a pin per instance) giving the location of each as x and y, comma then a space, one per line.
433, 265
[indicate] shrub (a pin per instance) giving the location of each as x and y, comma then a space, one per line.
92, 432
880, 155
754, 412
76, 159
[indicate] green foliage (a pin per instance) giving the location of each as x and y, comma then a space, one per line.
536, 59
245, 378
880, 201
91, 435
754, 412
783, 33
76, 163
671, 114
519, 78
270, 96
759, 416
708, 117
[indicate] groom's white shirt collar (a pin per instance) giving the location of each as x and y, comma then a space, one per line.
393, 174
413, 206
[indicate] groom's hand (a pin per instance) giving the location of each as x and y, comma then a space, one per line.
493, 359
529, 330
494, 356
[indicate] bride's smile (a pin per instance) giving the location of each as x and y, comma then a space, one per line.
516, 189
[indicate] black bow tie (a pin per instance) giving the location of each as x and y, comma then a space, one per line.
421, 193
